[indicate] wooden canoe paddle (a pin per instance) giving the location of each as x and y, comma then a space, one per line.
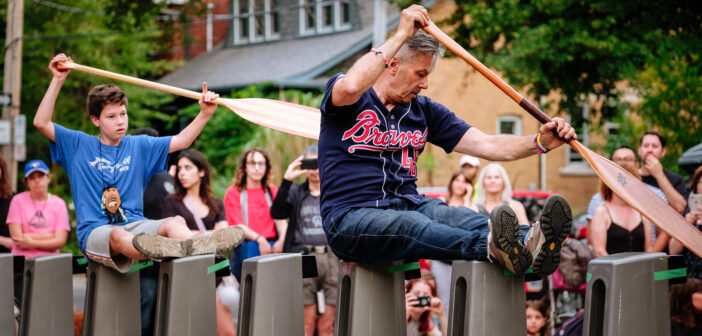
628, 187
283, 116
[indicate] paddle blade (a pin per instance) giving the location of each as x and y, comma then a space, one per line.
282, 116
639, 196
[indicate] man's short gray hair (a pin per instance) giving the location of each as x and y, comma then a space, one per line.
420, 43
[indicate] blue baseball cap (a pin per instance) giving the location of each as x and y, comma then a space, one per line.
35, 165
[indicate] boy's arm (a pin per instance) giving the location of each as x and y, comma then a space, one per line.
186, 137
42, 120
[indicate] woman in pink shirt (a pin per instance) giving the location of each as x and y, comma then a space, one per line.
38, 221
247, 203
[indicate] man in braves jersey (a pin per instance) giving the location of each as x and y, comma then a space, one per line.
374, 126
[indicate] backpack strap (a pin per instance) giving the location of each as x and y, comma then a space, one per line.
269, 198
244, 207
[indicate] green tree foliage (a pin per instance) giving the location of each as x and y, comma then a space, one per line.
577, 48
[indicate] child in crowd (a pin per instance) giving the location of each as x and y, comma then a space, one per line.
108, 174
537, 318
425, 311
686, 308
38, 221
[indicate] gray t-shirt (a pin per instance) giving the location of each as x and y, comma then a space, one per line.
309, 223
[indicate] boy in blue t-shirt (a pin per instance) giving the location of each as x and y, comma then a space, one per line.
108, 174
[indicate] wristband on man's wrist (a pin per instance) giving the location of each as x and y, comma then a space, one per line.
540, 149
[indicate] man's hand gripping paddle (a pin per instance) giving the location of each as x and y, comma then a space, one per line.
628, 187
282, 116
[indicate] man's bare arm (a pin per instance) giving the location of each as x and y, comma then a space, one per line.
366, 71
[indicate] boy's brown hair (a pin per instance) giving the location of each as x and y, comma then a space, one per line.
104, 94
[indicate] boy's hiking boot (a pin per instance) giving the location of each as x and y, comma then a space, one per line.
546, 237
218, 241
159, 247
503, 240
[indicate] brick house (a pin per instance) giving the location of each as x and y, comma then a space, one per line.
301, 43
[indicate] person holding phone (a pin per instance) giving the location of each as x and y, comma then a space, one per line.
693, 263
299, 204
425, 311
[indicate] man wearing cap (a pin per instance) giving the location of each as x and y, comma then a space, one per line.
38, 221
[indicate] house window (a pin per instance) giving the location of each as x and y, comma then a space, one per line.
256, 21
324, 16
508, 124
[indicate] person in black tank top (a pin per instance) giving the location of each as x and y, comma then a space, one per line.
617, 227
693, 263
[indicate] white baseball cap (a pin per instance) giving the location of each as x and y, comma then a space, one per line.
471, 160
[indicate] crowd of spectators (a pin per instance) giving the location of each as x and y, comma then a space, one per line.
287, 219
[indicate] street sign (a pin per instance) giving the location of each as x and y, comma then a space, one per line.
20, 152
5, 99
20, 129
5, 132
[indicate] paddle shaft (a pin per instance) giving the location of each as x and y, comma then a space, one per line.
136, 81
477, 65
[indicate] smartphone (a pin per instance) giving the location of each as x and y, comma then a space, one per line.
309, 164
694, 201
424, 301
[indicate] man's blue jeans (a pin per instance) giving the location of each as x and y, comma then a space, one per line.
428, 230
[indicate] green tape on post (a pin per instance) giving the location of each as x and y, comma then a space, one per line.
141, 265
670, 274
403, 267
528, 271
218, 266
82, 261
587, 277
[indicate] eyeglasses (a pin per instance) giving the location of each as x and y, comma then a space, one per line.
256, 164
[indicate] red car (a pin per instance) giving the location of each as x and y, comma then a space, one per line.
533, 200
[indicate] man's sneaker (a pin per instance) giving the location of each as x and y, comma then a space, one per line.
159, 247
546, 237
503, 240
218, 241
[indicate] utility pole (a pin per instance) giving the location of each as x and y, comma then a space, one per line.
12, 84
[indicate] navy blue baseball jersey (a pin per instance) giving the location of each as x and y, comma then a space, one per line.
368, 155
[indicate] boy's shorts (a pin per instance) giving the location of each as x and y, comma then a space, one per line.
97, 247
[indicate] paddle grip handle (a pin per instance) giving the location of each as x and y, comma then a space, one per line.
132, 80
485, 71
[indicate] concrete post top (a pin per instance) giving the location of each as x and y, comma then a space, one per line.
628, 257
52, 257
274, 257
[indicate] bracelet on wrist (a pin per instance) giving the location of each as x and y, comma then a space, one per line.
540, 149
380, 52
256, 239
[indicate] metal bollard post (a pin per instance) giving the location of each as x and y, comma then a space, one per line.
47, 296
7, 284
628, 294
371, 301
485, 301
271, 296
186, 297
111, 302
